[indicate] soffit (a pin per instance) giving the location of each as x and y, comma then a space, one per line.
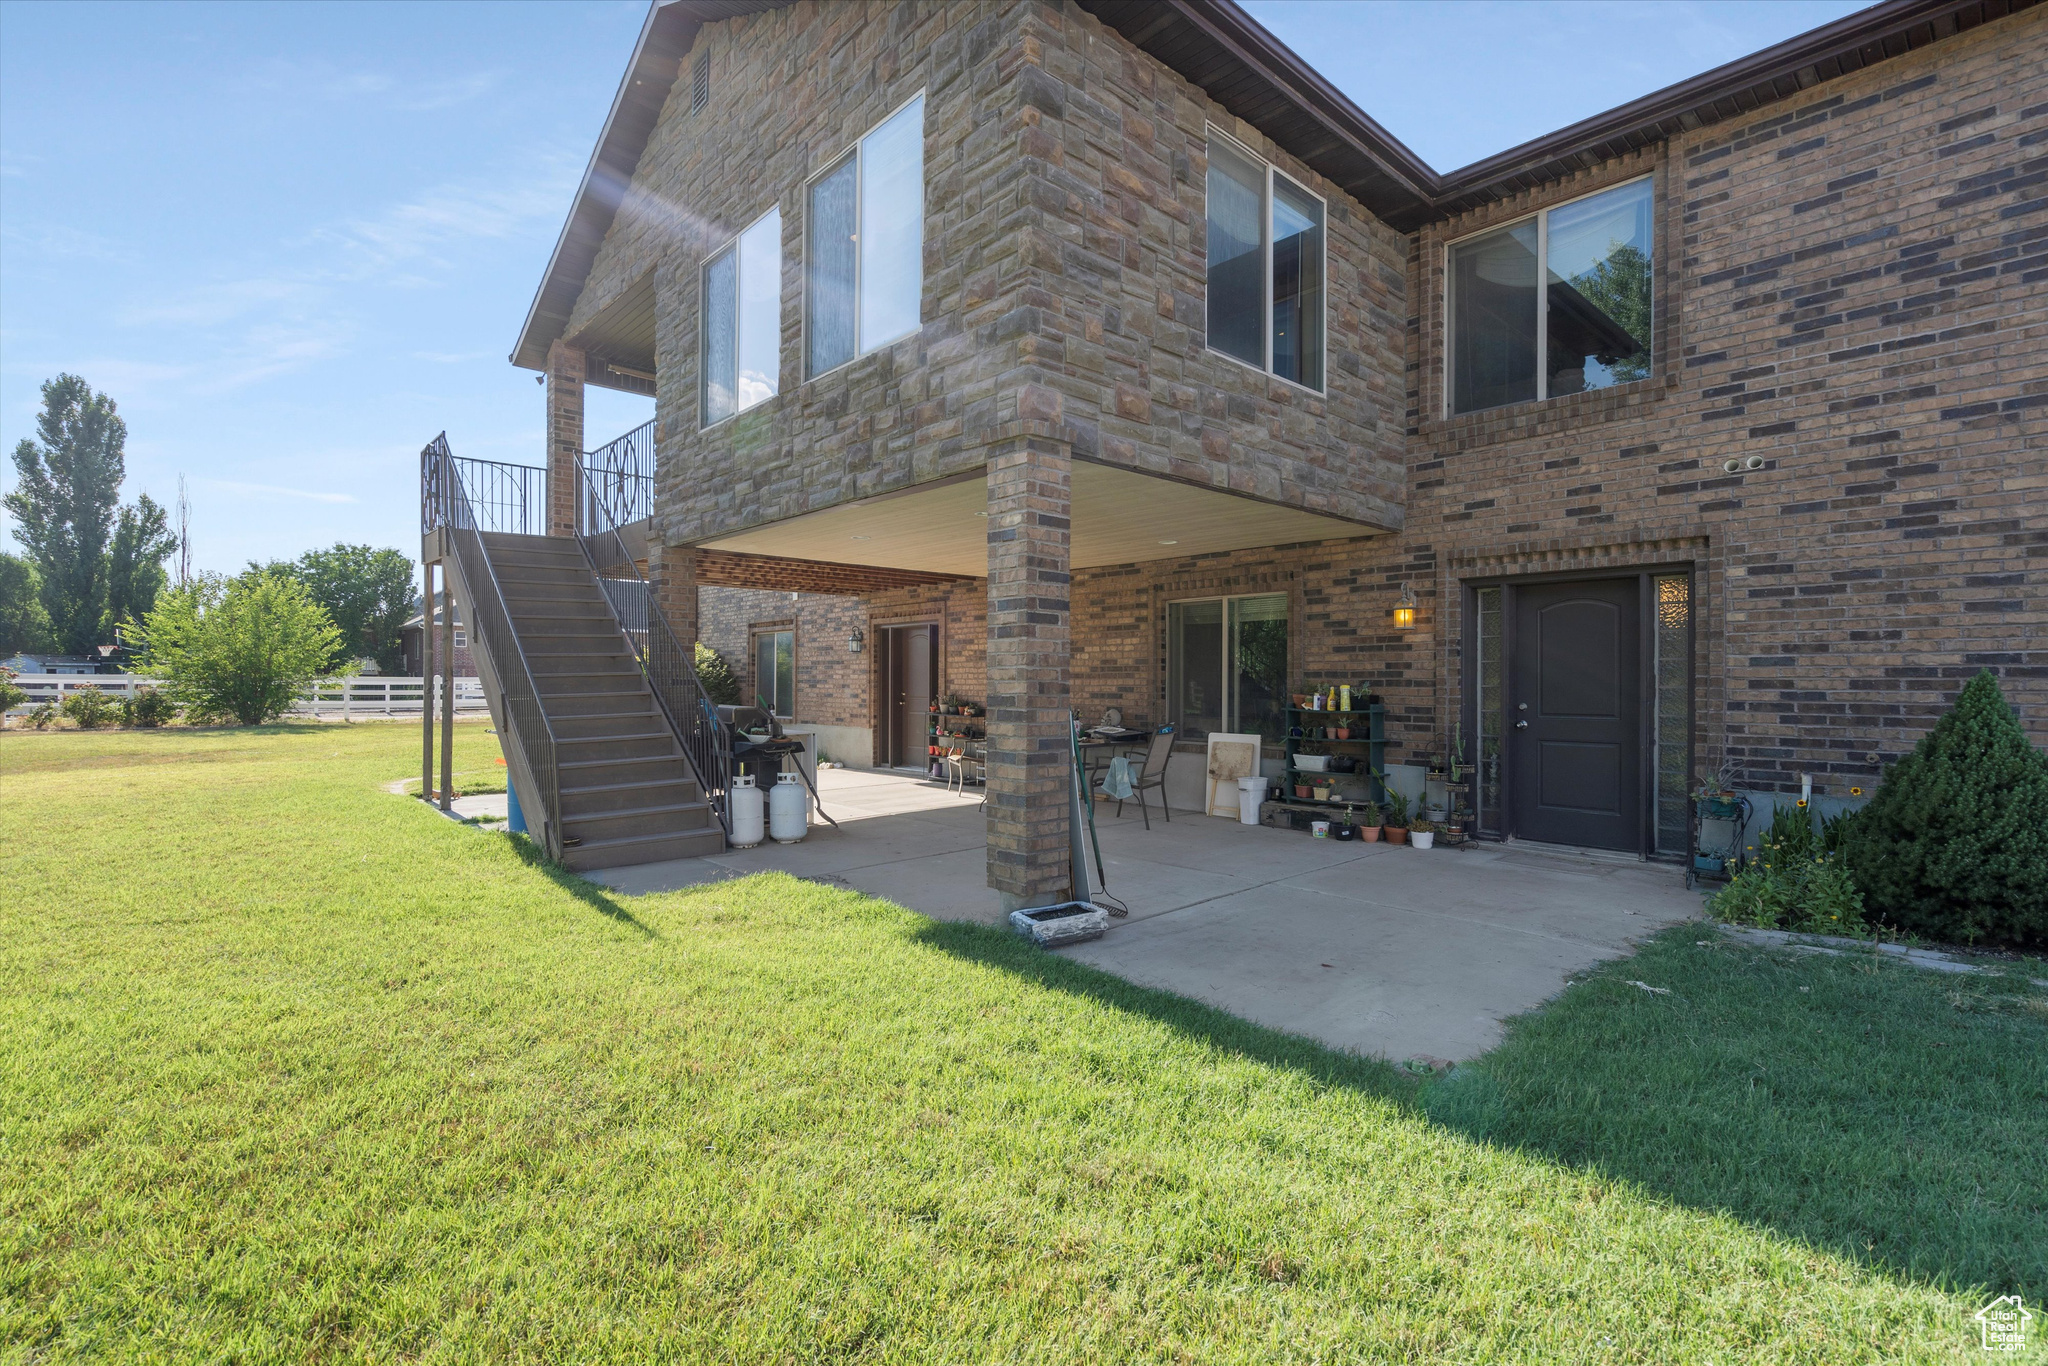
1119, 516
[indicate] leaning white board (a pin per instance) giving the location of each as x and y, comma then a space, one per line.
1230, 757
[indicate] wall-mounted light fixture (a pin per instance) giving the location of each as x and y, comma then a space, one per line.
1404, 609
855, 641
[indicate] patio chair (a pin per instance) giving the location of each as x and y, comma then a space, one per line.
1153, 774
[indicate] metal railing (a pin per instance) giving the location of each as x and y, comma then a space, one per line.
501, 497
446, 503
667, 662
618, 483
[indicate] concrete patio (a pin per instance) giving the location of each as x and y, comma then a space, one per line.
1383, 950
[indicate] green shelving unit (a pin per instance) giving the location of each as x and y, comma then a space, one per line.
1369, 748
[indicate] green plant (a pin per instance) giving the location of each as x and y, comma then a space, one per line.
239, 649
1369, 816
1397, 810
148, 708
1954, 845
1422, 827
1793, 882
89, 708
721, 686
11, 693
43, 716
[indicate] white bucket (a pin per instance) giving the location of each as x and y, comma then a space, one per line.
1251, 795
1319, 829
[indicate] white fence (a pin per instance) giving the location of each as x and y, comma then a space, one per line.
379, 695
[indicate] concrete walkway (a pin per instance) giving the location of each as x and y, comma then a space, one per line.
1388, 951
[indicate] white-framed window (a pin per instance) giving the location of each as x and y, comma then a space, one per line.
864, 244
741, 344
775, 671
1268, 259
1589, 327
1226, 666
461, 639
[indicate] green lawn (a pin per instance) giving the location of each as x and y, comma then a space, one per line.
295, 1069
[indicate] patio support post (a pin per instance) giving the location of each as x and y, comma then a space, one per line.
1029, 509
567, 366
672, 584
427, 689
447, 695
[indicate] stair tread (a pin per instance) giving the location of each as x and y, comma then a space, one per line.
630, 759
630, 786
610, 739
699, 805
625, 841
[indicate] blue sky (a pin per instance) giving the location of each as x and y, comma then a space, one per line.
295, 241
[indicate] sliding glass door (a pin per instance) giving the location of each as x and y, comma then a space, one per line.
1226, 666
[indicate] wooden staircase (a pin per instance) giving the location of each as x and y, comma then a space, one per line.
626, 788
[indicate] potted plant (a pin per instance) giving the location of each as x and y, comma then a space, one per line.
1369, 823
1422, 834
1397, 818
1344, 828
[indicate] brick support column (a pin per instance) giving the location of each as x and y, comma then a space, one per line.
672, 579
1029, 510
566, 367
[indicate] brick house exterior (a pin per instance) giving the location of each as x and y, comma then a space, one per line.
1832, 481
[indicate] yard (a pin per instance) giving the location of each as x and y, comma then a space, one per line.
295, 1068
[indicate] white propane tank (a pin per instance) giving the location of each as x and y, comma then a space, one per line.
789, 809
746, 812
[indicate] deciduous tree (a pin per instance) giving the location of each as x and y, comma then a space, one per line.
239, 649
69, 482
368, 594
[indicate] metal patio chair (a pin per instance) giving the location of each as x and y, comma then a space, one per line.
1153, 774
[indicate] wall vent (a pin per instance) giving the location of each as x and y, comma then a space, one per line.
700, 82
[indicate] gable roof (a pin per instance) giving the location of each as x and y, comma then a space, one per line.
1217, 46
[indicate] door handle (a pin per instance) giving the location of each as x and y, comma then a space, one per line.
1521, 725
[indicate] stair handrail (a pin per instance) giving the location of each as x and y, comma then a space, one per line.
618, 481
668, 665
445, 506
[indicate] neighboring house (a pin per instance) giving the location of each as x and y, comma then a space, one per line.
418, 655
57, 664
1096, 354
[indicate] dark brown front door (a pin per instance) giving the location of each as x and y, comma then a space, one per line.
1573, 714
910, 681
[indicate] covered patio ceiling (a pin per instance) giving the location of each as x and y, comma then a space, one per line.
1119, 517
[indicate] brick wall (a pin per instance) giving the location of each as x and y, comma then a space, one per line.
1854, 291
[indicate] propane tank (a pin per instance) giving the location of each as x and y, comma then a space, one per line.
789, 809
746, 812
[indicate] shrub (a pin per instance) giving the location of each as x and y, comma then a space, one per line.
89, 708
721, 685
149, 708
1796, 882
1954, 845
43, 715
239, 649
11, 693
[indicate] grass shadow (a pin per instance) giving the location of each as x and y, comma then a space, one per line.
1883, 1113
589, 893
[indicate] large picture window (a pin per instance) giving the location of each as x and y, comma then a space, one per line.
1587, 327
1226, 666
864, 245
1266, 266
775, 671
742, 346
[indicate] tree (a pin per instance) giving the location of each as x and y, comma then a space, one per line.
63, 505
135, 564
24, 624
239, 648
1954, 845
367, 593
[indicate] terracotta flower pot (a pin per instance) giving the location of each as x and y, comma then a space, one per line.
1301, 791
1343, 732
1369, 834
1396, 834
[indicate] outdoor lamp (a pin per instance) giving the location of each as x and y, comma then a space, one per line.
855, 641
1404, 610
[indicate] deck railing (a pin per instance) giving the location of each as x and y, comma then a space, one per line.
501, 497
618, 483
666, 661
447, 504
